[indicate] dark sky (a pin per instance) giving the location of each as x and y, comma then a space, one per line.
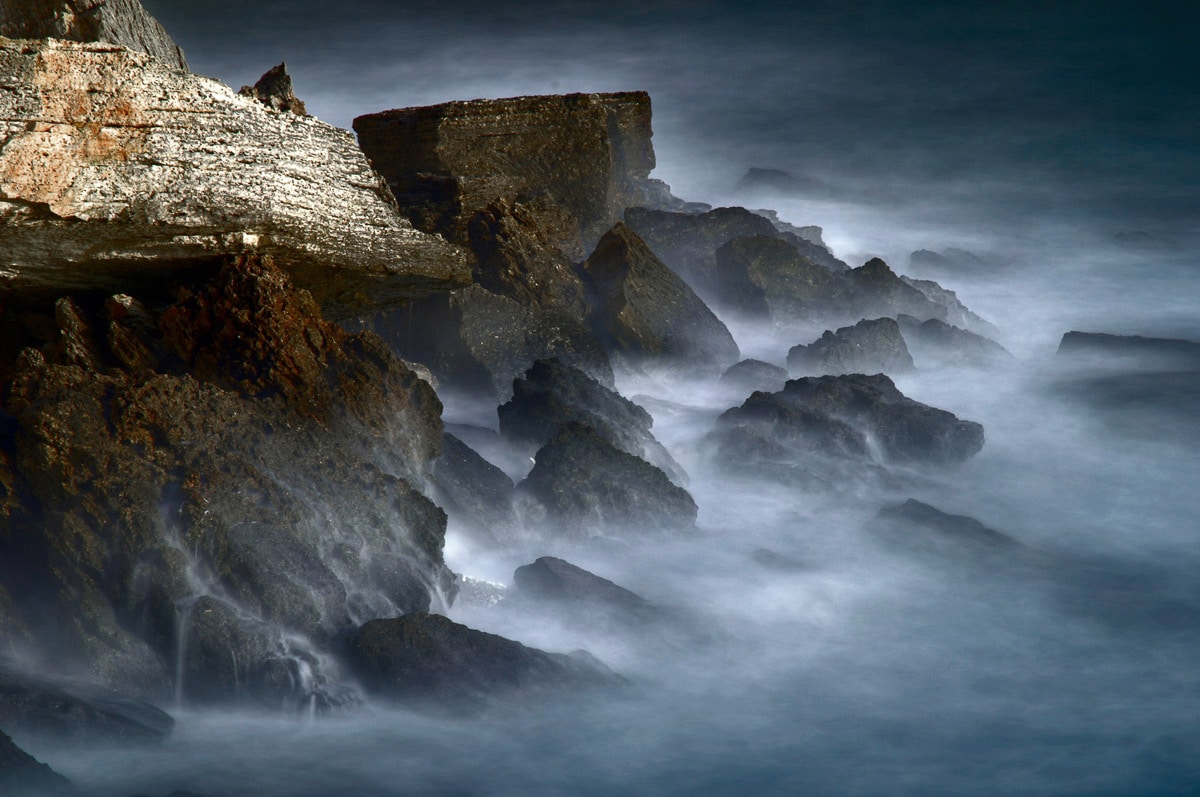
1084, 110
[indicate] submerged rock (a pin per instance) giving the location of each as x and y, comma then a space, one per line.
918, 522
646, 313
123, 22
430, 662
870, 346
585, 486
938, 343
112, 181
274, 90
23, 775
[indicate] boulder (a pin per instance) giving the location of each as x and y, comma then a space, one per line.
555, 582
476, 341
475, 491
646, 314
112, 180
430, 662
123, 22
274, 90
552, 395
447, 162
749, 376
585, 487
935, 342
915, 522
250, 450
24, 776
870, 346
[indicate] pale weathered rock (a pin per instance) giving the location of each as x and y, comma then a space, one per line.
123, 22
588, 153
116, 170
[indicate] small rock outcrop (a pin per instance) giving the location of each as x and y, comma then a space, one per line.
123, 22
646, 313
448, 162
936, 343
584, 486
275, 90
1141, 352
554, 582
111, 180
868, 347
24, 776
552, 395
432, 663
752, 375
917, 522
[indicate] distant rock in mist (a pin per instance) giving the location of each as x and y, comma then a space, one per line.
1144, 353
914, 522
22, 774
957, 313
776, 181
870, 346
952, 262
751, 375
123, 22
935, 343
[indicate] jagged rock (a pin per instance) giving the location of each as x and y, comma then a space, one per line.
768, 277
751, 375
957, 313
113, 180
1128, 351
870, 346
477, 341
687, 242
473, 489
268, 458
935, 342
586, 486
74, 712
275, 90
447, 162
837, 415
877, 291
552, 395
430, 662
123, 22
919, 522
23, 775
644, 312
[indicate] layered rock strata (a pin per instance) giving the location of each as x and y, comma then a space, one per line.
123, 22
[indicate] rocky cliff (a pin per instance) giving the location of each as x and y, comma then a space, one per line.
116, 170
123, 22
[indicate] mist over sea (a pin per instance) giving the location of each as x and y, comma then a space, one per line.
1030, 136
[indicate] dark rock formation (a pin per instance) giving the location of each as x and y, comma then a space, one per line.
878, 291
274, 90
585, 486
918, 522
751, 375
22, 775
937, 343
768, 277
836, 415
474, 490
111, 180
71, 712
870, 346
810, 232
236, 446
430, 662
123, 22
957, 313
553, 581
1128, 351
448, 162
552, 395
474, 340
644, 312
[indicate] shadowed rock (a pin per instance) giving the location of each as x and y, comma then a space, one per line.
555, 581
870, 346
769, 278
112, 181
474, 490
644, 312
935, 342
23, 775
957, 313
274, 90
123, 22
753, 375
920, 522
430, 662
585, 486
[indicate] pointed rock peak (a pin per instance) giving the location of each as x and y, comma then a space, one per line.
877, 264
274, 90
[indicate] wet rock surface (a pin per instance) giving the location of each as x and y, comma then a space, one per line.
112, 181
868, 347
646, 313
430, 662
123, 22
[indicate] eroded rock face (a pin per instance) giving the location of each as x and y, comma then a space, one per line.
236, 448
447, 162
117, 171
868, 347
123, 22
647, 314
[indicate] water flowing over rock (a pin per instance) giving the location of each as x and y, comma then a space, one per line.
646, 313
117, 172
123, 22
447, 162
870, 346
232, 476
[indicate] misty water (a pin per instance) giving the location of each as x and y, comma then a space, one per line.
876, 668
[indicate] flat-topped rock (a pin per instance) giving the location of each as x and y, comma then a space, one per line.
117, 171
123, 22
590, 153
